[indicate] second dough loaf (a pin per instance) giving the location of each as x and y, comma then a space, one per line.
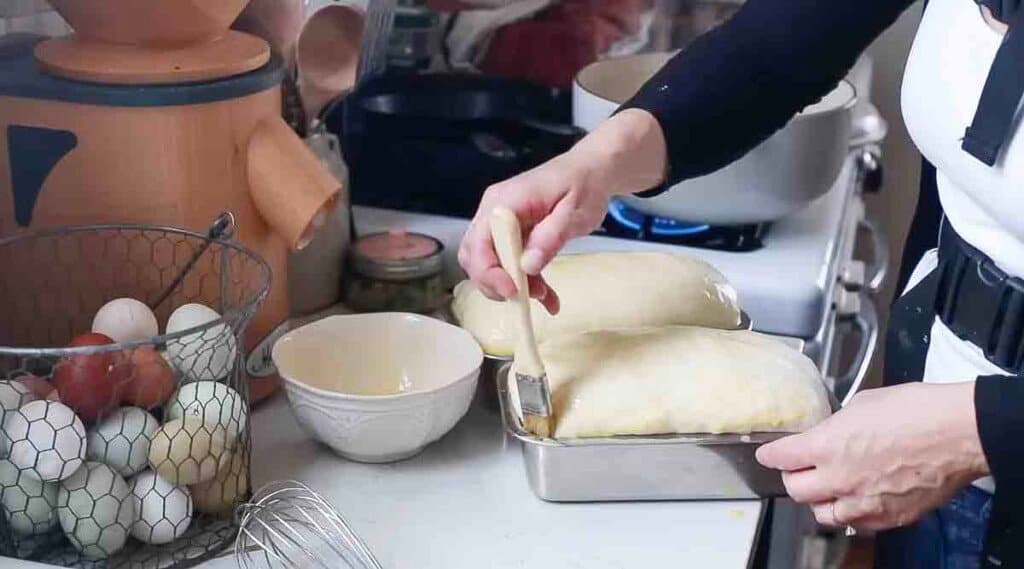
606, 291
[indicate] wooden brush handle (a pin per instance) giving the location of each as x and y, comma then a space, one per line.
508, 242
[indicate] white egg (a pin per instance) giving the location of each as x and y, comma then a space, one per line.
96, 510
29, 505
13, 395
206, 355
121, 440
163, 511
213, 402
46, 440
126, 320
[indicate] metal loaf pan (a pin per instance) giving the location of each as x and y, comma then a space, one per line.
634, 468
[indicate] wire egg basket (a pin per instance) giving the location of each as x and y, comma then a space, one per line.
134, 453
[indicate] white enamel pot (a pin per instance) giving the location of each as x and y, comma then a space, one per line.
782, 175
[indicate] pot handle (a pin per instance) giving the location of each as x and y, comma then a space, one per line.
496, 148
566, 130
879, 268
870, 174
865, 321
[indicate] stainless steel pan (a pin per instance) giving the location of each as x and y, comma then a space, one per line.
634, 468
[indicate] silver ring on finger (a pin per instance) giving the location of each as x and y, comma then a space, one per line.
848, 530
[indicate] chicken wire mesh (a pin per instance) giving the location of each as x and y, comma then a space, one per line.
134, 451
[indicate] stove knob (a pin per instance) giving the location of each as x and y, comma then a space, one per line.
853, 275
847, 303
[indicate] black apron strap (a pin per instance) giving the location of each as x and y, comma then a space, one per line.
1002, 94
909, 334
924, 230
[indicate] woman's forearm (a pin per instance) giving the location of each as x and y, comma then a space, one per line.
625, 154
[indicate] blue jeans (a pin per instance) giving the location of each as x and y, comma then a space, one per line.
951, 537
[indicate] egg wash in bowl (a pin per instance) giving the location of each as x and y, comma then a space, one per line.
377, 355
379, 387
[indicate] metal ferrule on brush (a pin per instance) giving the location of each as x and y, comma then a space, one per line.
534, 394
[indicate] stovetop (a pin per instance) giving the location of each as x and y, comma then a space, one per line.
786, 285
625, 222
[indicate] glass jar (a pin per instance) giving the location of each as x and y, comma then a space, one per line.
415, 36
395, 272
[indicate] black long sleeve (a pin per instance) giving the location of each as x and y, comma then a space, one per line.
998, 402
741, 82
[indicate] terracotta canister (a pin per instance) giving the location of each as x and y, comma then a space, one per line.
76, 153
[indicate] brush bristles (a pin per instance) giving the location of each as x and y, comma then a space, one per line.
538, 425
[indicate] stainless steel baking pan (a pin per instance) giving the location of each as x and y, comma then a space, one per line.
634, 468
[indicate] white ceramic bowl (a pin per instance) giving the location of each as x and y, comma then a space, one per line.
378, 387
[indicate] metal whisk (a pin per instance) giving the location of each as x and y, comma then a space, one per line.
286, 524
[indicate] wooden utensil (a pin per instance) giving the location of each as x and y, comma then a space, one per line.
531, 379
328, 55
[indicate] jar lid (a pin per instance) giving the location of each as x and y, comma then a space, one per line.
397, 255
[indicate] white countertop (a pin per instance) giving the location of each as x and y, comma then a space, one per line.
464, 503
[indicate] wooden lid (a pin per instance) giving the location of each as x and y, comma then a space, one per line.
231, 54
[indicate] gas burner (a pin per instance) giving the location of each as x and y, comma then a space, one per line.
625, 222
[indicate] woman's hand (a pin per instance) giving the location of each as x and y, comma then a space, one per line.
565, 198
890, 456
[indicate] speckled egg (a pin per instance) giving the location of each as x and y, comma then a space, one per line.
96, 510
212, 402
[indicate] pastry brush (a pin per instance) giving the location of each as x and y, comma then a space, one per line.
531, 380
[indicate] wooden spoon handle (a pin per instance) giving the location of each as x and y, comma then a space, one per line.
508, 242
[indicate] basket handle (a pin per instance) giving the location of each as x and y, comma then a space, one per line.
222, 228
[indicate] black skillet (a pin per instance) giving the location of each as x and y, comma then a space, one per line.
434, 142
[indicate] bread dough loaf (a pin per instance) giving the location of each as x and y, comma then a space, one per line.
606, 291
681, 380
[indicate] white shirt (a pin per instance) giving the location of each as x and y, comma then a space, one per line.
946, 72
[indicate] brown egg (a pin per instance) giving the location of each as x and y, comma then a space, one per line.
41, 386
84, 382
143, 378
226, 490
